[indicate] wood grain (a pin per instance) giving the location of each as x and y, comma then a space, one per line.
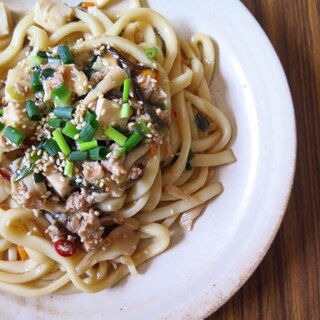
287, 283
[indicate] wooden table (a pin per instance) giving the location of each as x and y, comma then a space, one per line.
287, 283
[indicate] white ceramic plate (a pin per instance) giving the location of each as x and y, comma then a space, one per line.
205, 268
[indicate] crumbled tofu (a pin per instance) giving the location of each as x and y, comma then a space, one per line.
28, 193
6, 20
108, 113
52, 14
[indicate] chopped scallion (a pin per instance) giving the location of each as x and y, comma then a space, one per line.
132, 141
84, 146
125, 110
151, 53
36, 84
116, 136
61, 95
126, 90
90, 115
35, 61
64, 112
33, 111
68, 169
78, 155
1, 112
56, 123
89, 130
201, 122
61, 141
14, 135
1, 126
51, 147
98, 153
70, 130
13, 94
65, 54
142, 127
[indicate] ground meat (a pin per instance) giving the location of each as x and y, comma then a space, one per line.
29, 199
55, 233
87, 226
135, 172
78, 201
92, 171
115, 165
148, 83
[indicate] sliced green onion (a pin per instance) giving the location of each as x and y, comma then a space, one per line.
61, 95
36, 84
1, 126
61, 141
90, 115
33, 111
51, 147
132, 141
78, 155
201, 122
42, 54
63, 112
98, 153
56, 123
38, 177
1, 112
24, 173
142, 127
68, 169
14, 135
151, 53
65, 54
13, 94
47, 73
125, 110
70, 130
84, 146
126, 90
35, 61
89, 130
116, 136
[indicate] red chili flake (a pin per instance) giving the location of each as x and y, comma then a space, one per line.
174, 112
65, 247
5, 174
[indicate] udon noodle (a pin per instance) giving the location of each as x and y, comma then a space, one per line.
109, 136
